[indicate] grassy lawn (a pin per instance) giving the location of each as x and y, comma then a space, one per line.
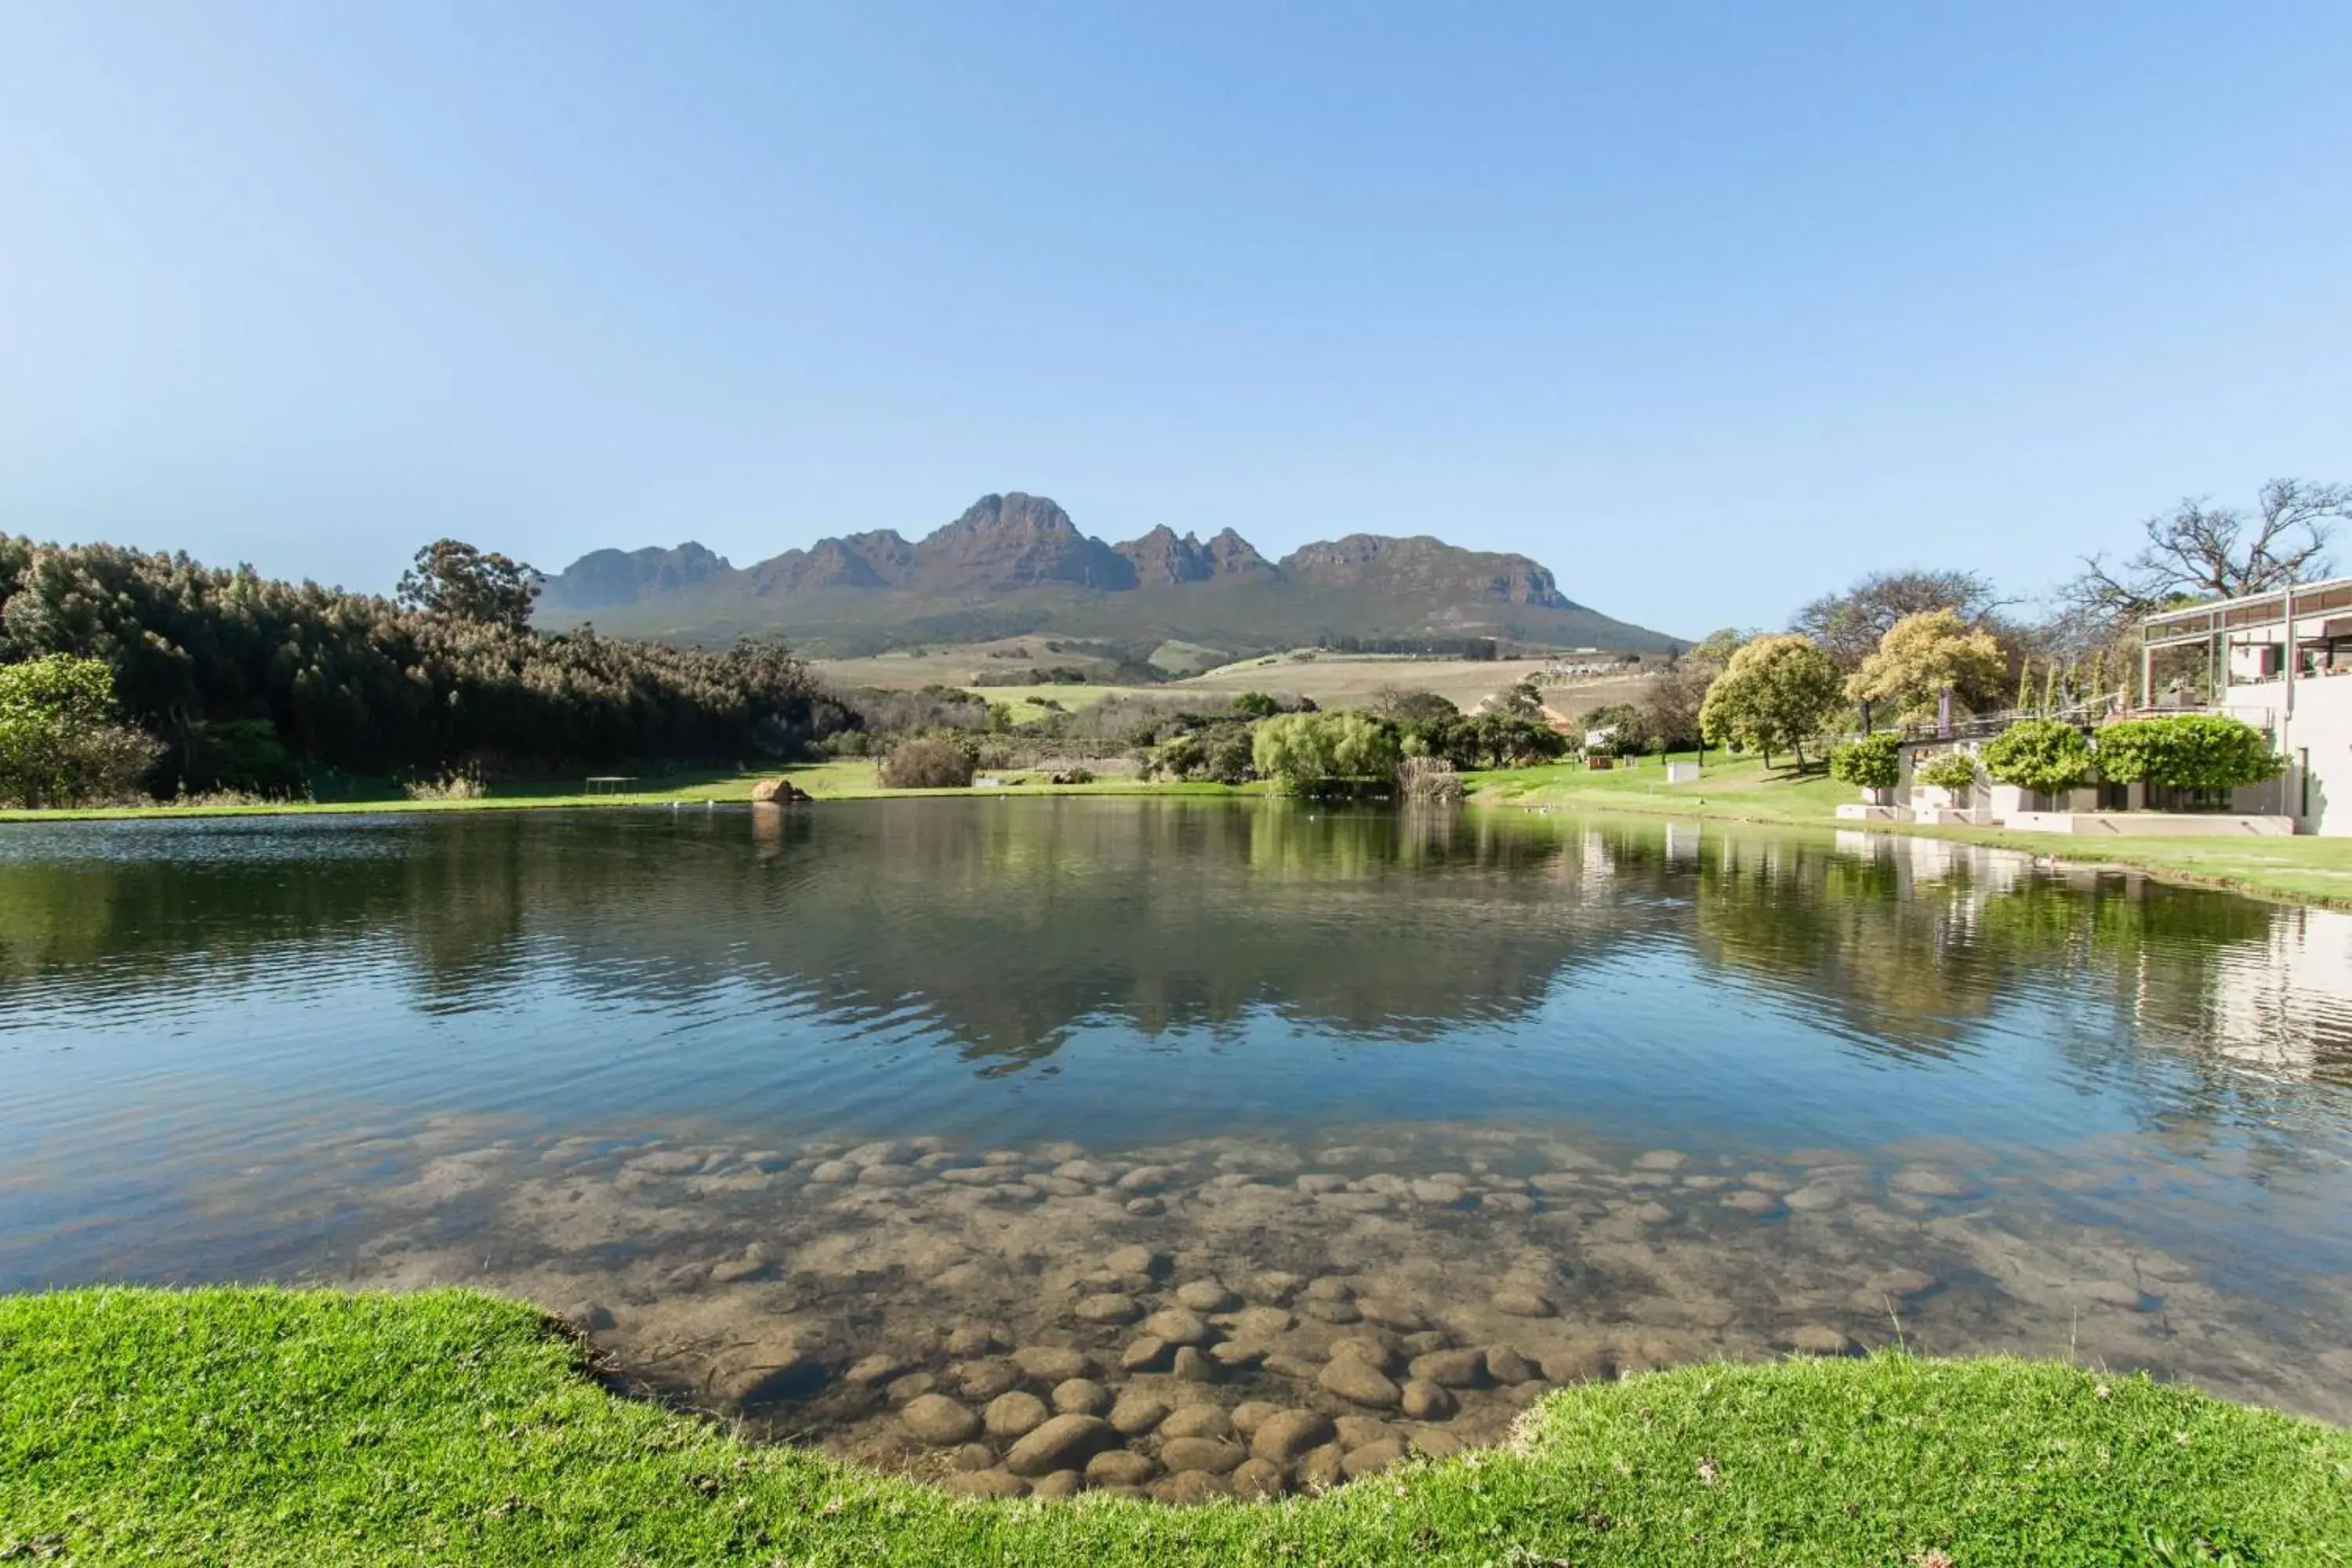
1736, 787
2315, 870
259, 1426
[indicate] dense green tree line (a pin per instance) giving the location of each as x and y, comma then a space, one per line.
201, 655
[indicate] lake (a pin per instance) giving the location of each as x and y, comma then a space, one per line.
811, 1114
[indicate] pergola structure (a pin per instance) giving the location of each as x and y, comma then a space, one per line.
2224, 621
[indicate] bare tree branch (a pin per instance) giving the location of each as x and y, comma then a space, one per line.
2199, 550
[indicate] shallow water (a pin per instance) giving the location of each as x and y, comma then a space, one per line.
813, 1114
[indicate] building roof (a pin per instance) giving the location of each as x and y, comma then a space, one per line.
2201, 622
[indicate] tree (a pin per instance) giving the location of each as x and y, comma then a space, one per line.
1922, 656
452, 579
1627, 728
1670, 707
1778, 690
60, 742
2199, 550
352, 682
1403, 706
1524, 699
1302, 751
2203, 751
928, 761
1256, 705
1850, 626
2043, 755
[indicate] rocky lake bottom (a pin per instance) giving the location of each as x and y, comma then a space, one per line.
1246, 1317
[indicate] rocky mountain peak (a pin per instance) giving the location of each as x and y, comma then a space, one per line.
1004, 542
1381, 563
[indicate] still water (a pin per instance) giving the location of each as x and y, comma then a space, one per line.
813, 1114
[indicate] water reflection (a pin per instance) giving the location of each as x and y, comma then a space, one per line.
350, 1049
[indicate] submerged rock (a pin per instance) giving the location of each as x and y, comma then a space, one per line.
1120, 1468
1206, 1296
935, 1419
1215, 1455
1354, 1379
1060, 1484
1177, 1326
1286, 1434
1081, 1397
1136, 1414
1519, 1301
1063, 1443
1258, 1481
1425, 1401
1197, 1421
1452, 1368
1013, 1415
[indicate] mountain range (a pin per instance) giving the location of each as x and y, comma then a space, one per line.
1015, 563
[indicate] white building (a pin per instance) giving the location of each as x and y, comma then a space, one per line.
2282, 662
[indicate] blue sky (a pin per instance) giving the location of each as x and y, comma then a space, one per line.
1708, 308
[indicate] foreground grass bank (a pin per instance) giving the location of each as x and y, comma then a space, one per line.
1740, 789
258, 1426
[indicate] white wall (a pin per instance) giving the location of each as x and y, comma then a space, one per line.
2319, 733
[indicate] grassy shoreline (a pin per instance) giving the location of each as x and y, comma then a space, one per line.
2301, 869
824, 781
267, 1426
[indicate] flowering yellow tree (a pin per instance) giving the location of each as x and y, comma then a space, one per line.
1922, 656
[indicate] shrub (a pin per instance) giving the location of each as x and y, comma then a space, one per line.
1305, 751
1230, 760
1255, 705
450, 786
59, 741
1952, 770
2186, 751
928, 763
243, 757
2040, 754
1183, 756
1874, 762
1429, 780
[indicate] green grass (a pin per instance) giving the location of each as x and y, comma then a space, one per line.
655, 790
2305, 868
1731, 787
848, 779
260, 1425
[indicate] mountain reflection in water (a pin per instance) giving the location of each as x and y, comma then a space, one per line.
255, 1046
